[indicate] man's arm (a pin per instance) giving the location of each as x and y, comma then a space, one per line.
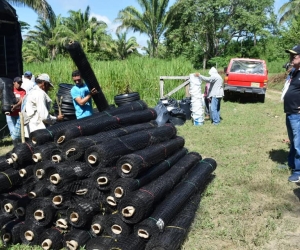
83, 101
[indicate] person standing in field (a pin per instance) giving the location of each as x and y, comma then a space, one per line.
215, 93
13, 117
82, 96
291, 104
28, 84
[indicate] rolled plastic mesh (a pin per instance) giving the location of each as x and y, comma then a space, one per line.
130, 242
101, 242
52, 238
10, 232
43, 152
196, 179
140, 203
8, 179
79, 58
22, 155
7, 95
75, 148
42, 136
30, 233
116, 227
104, 178
123, 186
3, 163
98, 224
176, 231
131, 165
43, 170
107, 154
76, 238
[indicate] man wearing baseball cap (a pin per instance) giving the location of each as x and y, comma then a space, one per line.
27, 82
292, 109
37, 105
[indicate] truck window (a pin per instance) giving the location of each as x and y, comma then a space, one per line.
249, 67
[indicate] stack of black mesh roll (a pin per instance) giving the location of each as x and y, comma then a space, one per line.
115, 180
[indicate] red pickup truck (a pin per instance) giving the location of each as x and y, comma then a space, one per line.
246, 75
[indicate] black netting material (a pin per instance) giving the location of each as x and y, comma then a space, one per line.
123, 186
131, 242
30, 233
7, 95
8, 179
98, 224
101, 243
79, 58
3, 163
22, 155
139, 204
11, 202
131, 165
176, 231
104, 178
195, 180
41, 136
116, 227
76, 238
96, 125
10, 233
52, 238
106, 154
43, 152
75, 148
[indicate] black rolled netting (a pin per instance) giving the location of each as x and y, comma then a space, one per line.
139, 204
5, 218
76, 238
42, 136
43, 152
10, 232
79, 58
56, 155
44, 169
8, 179
196, 180
98, 224
106, 154
104, 178
7, 96
11, 202
95, 125
30, 233
66, 173
101, 243
22, 155
61, 220
39, 189
52, 238
130, 242
40, 211
75, 148
131, 165
176, 231
3, 163
123, 186
82, 214
61, 201
116, 227
26, 172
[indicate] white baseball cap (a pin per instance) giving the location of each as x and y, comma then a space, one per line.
44, 77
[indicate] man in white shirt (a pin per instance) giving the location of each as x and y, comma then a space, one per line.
37, 105
27, 82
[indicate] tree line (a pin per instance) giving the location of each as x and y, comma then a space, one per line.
206, 32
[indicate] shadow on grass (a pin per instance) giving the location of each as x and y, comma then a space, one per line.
278, 155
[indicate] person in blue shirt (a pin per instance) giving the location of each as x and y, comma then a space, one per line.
81, 96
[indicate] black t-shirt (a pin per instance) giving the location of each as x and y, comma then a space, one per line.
292, 96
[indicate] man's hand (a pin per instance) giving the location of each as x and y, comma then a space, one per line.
60, 117
94, 91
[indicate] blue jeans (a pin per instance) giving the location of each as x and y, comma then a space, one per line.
293, 129
11, 122
215, 106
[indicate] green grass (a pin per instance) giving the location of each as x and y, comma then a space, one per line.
249, 204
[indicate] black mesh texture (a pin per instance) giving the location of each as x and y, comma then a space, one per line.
27, 172
41, 136
106, 154
40, 211
22, 155
129, 243
131, 165
43, 152
104, 178
3, 163
10, 233
8, 179
144, 199
61, 201
196, 179
76, 235
30, 233
79, 58
11, 202
116, 227
101, 243
123, 186
39, 189
98, 224
52, 238
44, 169
96, 125
56, 155
82, 214
75, 148
7, 96
175, 232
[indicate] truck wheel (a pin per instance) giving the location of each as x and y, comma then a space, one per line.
261, 98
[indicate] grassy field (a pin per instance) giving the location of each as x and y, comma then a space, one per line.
249, 204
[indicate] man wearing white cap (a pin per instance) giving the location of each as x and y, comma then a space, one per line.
27, 82
37, 105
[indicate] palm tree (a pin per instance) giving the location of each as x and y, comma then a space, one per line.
153, 21
123, 47
289, 10
41, 7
